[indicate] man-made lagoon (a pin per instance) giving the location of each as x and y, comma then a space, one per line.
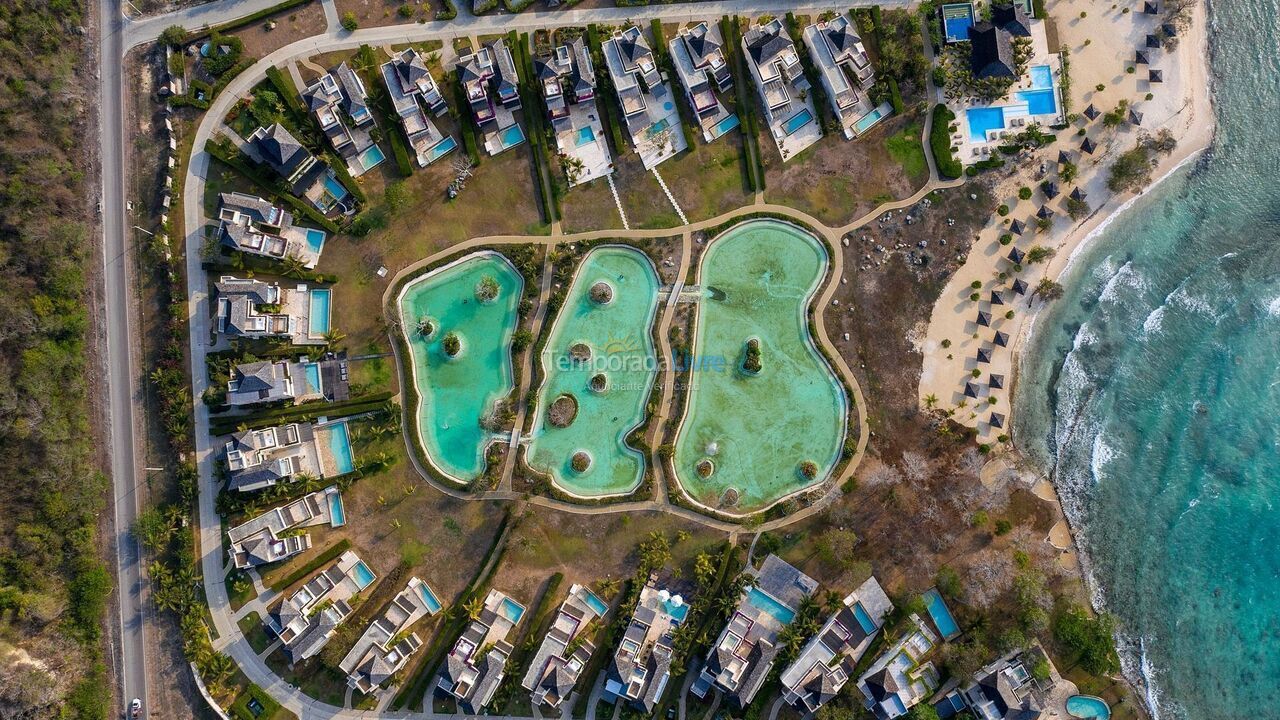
757, 432
616, 333
456, 393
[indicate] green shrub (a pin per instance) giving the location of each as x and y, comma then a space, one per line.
316, 563
349, 22
1002, 210
1089, 638
944, 156
1024, 193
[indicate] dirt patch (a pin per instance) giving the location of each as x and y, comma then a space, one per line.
264, 36
590, 206
377, 13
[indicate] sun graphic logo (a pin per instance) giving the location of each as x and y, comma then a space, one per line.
619, 345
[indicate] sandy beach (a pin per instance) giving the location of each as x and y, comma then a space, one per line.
1101, 46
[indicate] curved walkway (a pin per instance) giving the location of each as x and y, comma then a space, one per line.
229, 639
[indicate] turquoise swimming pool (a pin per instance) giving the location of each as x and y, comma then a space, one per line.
511, 610
511, 136
311, 374
429, 597
797, 121
677, 612
363, 575
318, 311
864, 619
371, 158
1088, 707
1040, 102
595, 603
941, 614
1041, 77
622, 351
337, 515
340, 447
315, 240
765, 602
982, 120
726, 124
442, 148
334, 188
586, 136
456, 393
868, 121
657, 127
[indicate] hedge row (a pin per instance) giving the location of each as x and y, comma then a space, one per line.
299, 413
940, 142
609, 117
535, 115
748, 122
287, 91
316, 562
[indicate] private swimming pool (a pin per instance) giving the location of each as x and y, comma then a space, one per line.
765, 602
868, 121
456, 393
371, 158
941, 614
725, 125
586, 136
339, 444
1088, 707
337, 515
429, 597
363, 575
442, 148
511, 136
334, 189
511, 610
311, 374
797, 121
957, 18
315, 240
596, 603
318, 312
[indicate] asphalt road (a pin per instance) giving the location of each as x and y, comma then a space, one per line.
122, 394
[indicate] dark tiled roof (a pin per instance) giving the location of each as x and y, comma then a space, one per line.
1012, 18
991, 54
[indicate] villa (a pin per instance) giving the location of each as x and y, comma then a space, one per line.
492, 87
263, 539
648, 107
470, 676
254, 226
783, 89
565, 650
337, 97
568, 82
898, 679
741, 658
287, 381
827, 661
846, 73
1008, 688
411, 88
305, 620
387, 644
698, 55
254, 309
258, 459
303, 174
641, 666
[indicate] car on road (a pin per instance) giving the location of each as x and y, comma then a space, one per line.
135, 708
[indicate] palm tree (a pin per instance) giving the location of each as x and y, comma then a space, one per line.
930, 400
333, 336
293, 266
473, 608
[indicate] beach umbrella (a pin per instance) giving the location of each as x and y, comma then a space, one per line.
1169, 29
996, 382
970, 391
1135, 117
1019, 287
997, 420
1153, 41
1091, 112
1050, 190
1155, 76
984, 355
1015, 256
984, 319
1077, 194
1017, 228
995, 298
1088, 146
1140, 57
1044, 212
1064, 157
1001, 339
1150, 8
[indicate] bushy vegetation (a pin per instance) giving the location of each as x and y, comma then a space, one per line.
944, 157
1132, 170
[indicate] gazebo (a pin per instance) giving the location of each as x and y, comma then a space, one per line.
1135, 117
1050, 189
1019, 287
1088, 146
1091, 112
1140, 57
1153, 41
1064, 157
1044, 212
970, 391
995, 382
1017, 228
1169, 29
1149, 8
1001, 339
995, 298
997, 420
984, 319
984, 355
1155, 76
1015, 256
1078, 194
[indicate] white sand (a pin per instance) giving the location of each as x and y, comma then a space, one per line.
1181, 103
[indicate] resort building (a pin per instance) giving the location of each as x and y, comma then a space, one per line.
305, 620
412, 89
249, 308
1009, 689
783, 89
303, 174
263, 539
846, 73
698, 55
251, 225
258, 459
492, 87
828, 660
387, 644
568, 84
341, 107
741, 658
287, 381
565, 650
991, 43
900, 677
476, 664
641, 666
648, 107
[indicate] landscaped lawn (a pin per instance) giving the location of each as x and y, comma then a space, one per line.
253, 631
708, 180
905, 148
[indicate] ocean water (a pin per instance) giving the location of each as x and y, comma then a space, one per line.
1152, 392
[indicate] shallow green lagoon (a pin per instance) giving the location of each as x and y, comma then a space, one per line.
618, 335
457, 393
757, 282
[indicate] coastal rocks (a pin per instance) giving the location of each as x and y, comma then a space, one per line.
563, 411
602, 293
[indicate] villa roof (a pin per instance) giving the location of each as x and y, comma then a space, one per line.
883, 684
702, 43
1019, 287
1091, 112
995, 381
997, 420
1088, 146
1155, 76
995, 298
1017, 228
280, 149
1012, 18
257, 376
765, 42
984, 318
1001, 339
991, 52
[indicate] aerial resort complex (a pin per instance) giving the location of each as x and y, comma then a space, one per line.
538, 359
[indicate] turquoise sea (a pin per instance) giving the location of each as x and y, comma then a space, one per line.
1152, 392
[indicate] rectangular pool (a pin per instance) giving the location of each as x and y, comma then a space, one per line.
363, 575
318, 313
340, 447
334, 188
1041, 77
586, 136
765, 602
442, 148
957, 18
337, 516
371, 158
511, 609
868, 121
429, 597
315, 240
1040, 102
941, 614
725, 125
983, 119
510, 137
311, 371
797, 121
859, 612
596, 603
677, 612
